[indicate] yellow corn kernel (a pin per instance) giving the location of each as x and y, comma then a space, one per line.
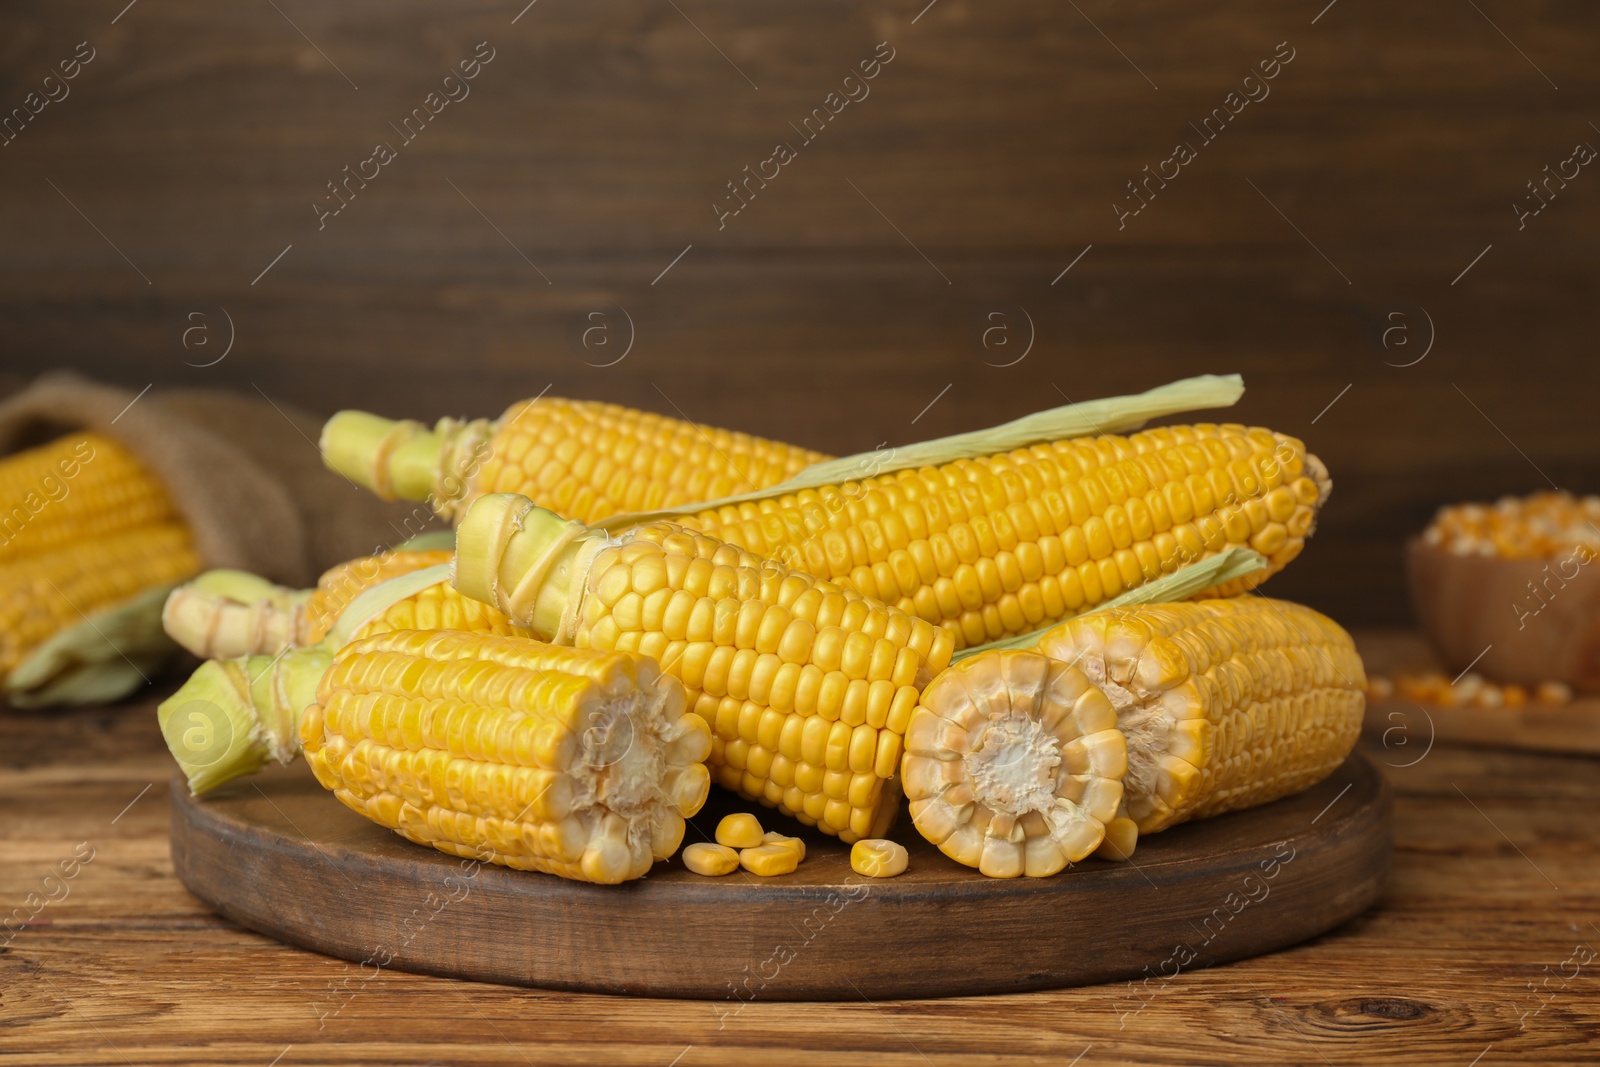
702, 857
878, 858
768, 860
772, 837
741, 830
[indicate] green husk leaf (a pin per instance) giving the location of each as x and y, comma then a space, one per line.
103, 658
432, 541
1181, 584
1109, 415
380, 598
233, 716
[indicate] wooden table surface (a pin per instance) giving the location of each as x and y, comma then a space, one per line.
1484, 950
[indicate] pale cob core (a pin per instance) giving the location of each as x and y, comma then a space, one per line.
1004, 544
1226, 703
583, 459
1013, 764
577, 763
807, 687
86, 528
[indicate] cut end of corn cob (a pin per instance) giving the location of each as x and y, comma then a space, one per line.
232, 716
1013, 764
807, 687
223, 614
1226, 704
577, 763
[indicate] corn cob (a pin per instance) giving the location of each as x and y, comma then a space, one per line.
87, 528
76, 488
1006, 543
225, 614
577, 763
50, 591
584, 459
807, 687
1224, 704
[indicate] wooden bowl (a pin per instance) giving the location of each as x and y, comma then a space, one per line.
1530, 620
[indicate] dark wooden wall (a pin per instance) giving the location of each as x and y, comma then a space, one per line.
859, 283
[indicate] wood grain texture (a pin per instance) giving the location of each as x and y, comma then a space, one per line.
1406, 729
589, 153
277, 854
1494, 883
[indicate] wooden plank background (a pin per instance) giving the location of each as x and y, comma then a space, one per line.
854, 291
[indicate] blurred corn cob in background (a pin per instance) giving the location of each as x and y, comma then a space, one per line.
581, 458
1224, 705
807, 687
84, 526
226, 614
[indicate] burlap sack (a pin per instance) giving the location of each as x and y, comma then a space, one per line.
244, 471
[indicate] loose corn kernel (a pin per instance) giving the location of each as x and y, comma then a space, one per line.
874, 857
1553, 693
702, 857
772, 837
741, 830
768, 860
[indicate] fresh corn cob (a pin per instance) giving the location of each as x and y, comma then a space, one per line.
1224, 704
44, 593
1006, 543
584, 459
807, 687
226, 614
577, 763
76, 488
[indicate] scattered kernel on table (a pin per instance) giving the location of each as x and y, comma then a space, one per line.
710, 860
772, 837
1471, 690
739, 831
768, 860
877, 858
1533, 527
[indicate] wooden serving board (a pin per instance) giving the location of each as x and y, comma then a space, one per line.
279, 855
1407, 729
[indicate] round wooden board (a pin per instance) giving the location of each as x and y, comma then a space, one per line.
279, 855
